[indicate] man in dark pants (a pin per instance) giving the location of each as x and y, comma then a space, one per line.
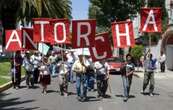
36, 59
162, 60
102, 78
16, 63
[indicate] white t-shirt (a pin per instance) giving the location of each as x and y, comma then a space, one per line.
44, 70
101, 68
162, 58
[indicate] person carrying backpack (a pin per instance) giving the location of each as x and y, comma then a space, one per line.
149, 67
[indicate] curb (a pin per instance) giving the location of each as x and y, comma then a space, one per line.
9, 84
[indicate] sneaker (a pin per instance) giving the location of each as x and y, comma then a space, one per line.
142, 92
65, 95
62, 94
28, 86
151, 94
99, 96
78, 98
84, 99
125, 99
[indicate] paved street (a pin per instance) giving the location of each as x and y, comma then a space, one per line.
32, 99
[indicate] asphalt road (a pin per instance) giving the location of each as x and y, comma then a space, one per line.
33, 99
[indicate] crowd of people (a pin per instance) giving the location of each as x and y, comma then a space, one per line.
78, 70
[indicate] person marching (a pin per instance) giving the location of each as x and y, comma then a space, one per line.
162, 60
52, 63
36, 60
44, 76
29, 68
102, 75
149, 67
63, 77
90, 73
71, 58
81, 79
16, 63
127, 75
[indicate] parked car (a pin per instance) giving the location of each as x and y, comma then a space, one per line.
115, 65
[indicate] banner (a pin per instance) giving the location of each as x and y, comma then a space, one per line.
43, 48
61, 31
13, 40
83, 33
102, 48
27, 39
123, 34
151, 20
42, 32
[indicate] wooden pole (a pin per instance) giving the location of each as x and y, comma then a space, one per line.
14, 68
149, 41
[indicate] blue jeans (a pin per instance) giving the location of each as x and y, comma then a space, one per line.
90, 80
127, 80
81, 83
70, 74
52, 69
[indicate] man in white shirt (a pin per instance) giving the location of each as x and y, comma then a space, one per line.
102, 74
162, 60
71, 58
36, 60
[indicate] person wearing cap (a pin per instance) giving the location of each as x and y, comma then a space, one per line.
81, 79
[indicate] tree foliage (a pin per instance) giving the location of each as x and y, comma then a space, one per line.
25, 10
137, 51
13, 11
107, 11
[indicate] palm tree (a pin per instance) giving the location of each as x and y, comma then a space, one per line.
13, 11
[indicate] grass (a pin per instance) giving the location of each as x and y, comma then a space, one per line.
4, 68
5, 71
3, 81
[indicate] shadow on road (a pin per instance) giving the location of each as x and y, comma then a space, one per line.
130, 96
92, 99
51, 91
9, 104
147, 93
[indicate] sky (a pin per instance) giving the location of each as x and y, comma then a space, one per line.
80, 9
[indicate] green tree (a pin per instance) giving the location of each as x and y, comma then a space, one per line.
107, 11
13, 11
137, 52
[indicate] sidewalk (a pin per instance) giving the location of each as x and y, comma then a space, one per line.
158, 75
